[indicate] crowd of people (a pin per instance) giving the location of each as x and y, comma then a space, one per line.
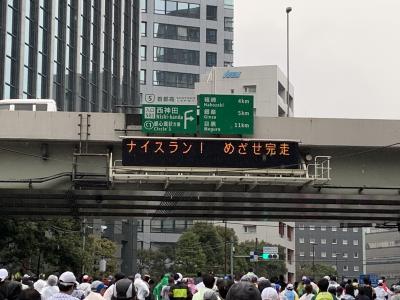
177, 287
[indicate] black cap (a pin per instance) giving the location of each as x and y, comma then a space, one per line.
243, 291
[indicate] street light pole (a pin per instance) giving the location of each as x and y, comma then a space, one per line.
337, 270
313, 259
288, 10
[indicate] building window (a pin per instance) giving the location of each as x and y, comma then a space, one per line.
228, 24
211, 59
143, 52
281, 90
333, 255
177, 8
170, 226
182, 225
143, 6
211, 36
323, 241
301, 240
345, 255
29, 72
250, 228
344, 229
139, 245
161, 245
212, 12
167, 226
334, 241
228, 46
334, 228
194, 11
250, 88
289, 228
355, 242
356, 269
176, 32
301, 226
228, 4
345, 268
323, 254
311, 253
228, 64
175, 79
355, 255
312, 241
159, 7
139, 224
344, 242
281, 229
142, 76
177, 56
290, 255
355, 229
301, 253
155, 226
323, 228
312, 227
143, 29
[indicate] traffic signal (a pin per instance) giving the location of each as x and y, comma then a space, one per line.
268, 256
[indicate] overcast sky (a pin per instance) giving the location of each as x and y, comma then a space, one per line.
344, 56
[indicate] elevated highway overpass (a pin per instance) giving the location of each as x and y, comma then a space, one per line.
57, 163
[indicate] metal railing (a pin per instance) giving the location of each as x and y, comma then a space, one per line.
317, 172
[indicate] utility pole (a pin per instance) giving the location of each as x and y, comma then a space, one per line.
337, 269
83, 244
313, 258
225, 252
288, 10
255, 251
232, 250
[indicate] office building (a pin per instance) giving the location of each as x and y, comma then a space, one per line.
158, 233
81, 53
382, 252
340, 248
268, 84
181, 40
273, 233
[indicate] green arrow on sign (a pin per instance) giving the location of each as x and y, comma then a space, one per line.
169, 119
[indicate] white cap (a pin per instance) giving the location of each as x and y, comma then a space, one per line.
3, 274
380, 281
269, 293
327, 277
67, 278
304, 278
289, 286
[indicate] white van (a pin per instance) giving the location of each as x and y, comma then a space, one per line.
28, 104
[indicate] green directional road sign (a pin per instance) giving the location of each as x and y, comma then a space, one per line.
169, 118
226, 114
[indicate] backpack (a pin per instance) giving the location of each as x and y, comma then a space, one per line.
123, 290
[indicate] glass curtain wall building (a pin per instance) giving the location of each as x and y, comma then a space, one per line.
181, 40
82, 53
